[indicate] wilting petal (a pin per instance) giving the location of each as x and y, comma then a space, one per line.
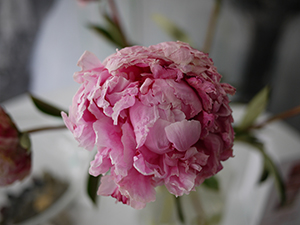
15, 160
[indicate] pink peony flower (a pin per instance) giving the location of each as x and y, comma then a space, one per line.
15, 161
157, 115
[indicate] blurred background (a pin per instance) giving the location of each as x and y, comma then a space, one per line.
254, 43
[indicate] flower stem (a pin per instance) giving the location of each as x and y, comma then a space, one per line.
44, 129
116, 19
284, 115
179, 209
212, 26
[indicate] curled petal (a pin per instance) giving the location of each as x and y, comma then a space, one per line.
183, 134
157, 140
101, 164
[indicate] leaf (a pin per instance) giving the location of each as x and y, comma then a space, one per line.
103, 32
46, 107
179, 208
92, 187
111, 33
278, 178
255, 107
269, 166
264, 175
115, 32
212, 183
171, 28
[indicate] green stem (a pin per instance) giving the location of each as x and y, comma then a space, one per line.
179, 209
45, 129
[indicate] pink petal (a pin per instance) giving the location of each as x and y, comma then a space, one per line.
138, 186
89, 61
183, 134
181, 184
101, 164
149, 163
182, 56
142, 118
145, 86
129, 146
107, 135
124, 103
141, 165
157, 140
126, 99
107, 186
190, 102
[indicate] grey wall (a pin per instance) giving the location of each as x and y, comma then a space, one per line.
19, 24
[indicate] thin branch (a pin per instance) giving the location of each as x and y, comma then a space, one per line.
284, 115
45, 129
212, 26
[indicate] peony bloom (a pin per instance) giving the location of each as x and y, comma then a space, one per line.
15, 161
157, 115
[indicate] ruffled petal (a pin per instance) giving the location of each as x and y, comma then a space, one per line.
142, 118
138, 187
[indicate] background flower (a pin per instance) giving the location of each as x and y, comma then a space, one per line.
157, 115
84, 2
15, 160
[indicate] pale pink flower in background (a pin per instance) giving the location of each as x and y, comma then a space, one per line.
157, 115
84, 2
15, 161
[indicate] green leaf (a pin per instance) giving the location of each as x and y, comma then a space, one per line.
111, 33
115, 32
179, 208
212, 183
269, 166
171, 28
278, 178
46, 107
103, 32
92, 187
255, 107
265, 174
